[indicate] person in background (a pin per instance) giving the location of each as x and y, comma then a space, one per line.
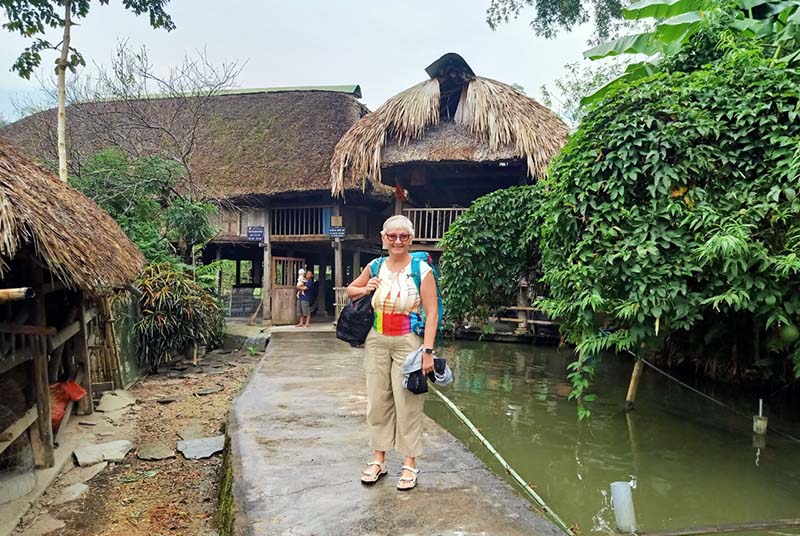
304, 299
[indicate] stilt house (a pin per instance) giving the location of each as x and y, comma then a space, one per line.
263, 155
61, 256
445, 142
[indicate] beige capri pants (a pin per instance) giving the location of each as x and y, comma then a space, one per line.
394, 414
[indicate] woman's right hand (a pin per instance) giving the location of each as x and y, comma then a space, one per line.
372, 285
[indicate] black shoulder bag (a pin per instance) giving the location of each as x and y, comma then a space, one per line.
355, 321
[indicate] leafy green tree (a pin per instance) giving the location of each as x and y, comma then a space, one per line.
140, 194
773, 24
31, 18
579, 81
552, 17
3, 121
487, 250
672, 215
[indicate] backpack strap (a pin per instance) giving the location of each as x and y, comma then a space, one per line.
375, 266
416, 273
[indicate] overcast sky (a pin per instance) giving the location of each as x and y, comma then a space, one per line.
383, 46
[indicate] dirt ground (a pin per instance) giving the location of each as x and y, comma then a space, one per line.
136, 497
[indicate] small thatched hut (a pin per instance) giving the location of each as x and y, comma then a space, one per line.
447, 141
60, 255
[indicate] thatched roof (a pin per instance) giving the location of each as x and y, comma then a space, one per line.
453, 116
261, 142
80, 243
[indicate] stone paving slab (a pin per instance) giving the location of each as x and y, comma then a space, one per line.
299, 442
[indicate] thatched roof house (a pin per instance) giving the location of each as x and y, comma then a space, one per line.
77, 240
247, 143
453, 117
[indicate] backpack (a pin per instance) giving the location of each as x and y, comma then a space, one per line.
418, 319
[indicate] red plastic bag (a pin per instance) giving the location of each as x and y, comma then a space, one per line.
74, 390
60, 396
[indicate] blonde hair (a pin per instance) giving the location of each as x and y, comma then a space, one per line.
398, 222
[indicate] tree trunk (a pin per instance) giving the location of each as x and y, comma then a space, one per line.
62, 94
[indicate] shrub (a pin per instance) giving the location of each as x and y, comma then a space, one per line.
177, 314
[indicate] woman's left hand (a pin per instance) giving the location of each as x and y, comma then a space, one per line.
427, 363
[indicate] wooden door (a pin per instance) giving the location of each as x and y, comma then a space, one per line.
284, 291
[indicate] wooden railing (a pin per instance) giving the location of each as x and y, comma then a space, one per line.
430, 224
300, 221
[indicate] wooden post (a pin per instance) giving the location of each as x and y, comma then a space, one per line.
106, 319
219, 270
238, 272
85, 406
356, 264
42, 443
266, 285
634, 385
522, 314
398, 203
337, 249
338, 269
322, 279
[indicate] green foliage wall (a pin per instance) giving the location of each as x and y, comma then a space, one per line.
675, 205
487, 250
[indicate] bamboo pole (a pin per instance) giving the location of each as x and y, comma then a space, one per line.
723, 529
634, 385
15, 294
509, 470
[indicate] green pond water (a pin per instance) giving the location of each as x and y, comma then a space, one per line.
693, 463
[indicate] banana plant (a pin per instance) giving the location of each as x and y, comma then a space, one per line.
774, 23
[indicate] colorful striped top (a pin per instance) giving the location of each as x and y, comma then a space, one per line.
396, 298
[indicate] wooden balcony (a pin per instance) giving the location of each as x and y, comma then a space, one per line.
430, 224
285, 223
300, 221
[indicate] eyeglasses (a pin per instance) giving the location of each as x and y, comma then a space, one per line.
392, 237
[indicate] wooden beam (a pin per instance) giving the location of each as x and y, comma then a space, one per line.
16, 358
84, 377
90, 314
17, 428
64, 335
64, 420
16, 294
311, 238
20, 329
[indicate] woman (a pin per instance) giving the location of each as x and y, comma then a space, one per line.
394, 414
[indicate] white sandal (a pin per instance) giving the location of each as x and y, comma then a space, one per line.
411, 479
368, 477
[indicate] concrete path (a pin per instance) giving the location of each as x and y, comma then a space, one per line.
299, 443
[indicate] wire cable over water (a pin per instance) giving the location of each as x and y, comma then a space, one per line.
707, 397
509, 470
